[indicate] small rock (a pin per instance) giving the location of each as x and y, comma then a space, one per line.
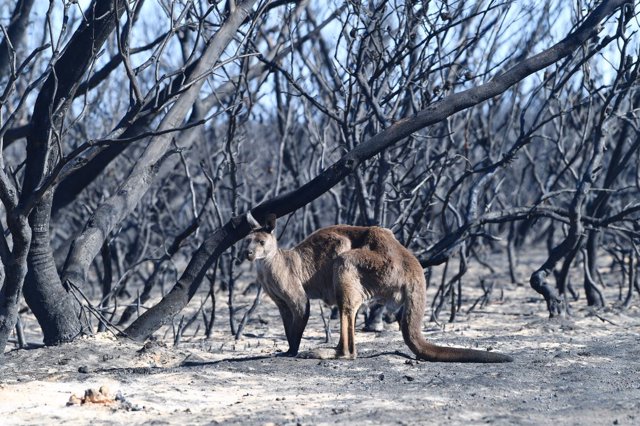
381, 377
409, 378
84, 369
74, 400
128, 405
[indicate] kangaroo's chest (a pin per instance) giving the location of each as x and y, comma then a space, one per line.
274, 285
316, 282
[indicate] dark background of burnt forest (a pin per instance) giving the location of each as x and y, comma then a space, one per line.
136, 135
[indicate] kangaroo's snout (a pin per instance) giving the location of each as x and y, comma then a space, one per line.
250, 255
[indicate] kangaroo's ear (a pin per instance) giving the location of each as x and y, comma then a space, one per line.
270, 223
253, 223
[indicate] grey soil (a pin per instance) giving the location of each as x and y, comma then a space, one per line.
581, 370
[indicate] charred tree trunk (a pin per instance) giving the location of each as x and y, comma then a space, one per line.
538, 281
56, 310
15, 264
593, 295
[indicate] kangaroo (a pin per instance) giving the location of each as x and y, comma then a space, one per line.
345, 266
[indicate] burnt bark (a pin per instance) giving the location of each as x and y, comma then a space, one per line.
15, 264
56, 310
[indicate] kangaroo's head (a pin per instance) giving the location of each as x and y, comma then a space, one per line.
261, 242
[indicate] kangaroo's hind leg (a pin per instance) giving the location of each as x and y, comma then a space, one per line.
357, 274
350, 295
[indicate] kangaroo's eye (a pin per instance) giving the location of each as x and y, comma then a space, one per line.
261, 243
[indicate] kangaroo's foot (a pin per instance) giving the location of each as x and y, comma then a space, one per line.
287, 354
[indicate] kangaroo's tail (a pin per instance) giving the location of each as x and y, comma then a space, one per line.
415, 300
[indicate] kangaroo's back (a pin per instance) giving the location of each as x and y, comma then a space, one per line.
321, 248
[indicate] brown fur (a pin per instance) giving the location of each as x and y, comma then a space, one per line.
345, 266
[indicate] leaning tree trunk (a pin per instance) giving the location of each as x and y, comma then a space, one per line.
237, 228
